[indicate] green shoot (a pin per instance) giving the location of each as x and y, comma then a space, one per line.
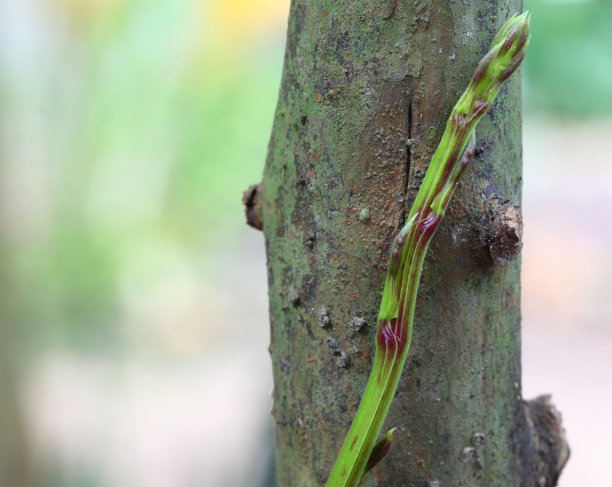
360, 451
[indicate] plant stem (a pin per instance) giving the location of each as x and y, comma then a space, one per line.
360, 452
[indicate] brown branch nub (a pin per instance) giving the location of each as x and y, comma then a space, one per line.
252, 207
548, 440
505, 231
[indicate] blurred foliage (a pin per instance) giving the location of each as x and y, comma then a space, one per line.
129, 131
568, 70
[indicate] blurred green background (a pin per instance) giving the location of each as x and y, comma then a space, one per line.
133, 334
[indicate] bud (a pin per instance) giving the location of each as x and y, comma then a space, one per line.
513, 25
505, 55
380, 450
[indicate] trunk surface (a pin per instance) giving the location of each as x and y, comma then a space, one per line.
366, 91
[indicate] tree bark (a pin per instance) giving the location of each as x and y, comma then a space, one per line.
365, 93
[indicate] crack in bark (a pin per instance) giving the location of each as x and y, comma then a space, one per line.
408, 160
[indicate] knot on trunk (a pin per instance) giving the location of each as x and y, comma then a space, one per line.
504, 232
550, 448
252, 206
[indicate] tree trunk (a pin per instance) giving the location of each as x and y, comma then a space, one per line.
366, 90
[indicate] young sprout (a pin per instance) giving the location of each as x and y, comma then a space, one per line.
360, 451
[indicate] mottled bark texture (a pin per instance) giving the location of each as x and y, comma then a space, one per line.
366, 90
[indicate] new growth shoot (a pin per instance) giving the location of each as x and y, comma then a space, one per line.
360, 451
